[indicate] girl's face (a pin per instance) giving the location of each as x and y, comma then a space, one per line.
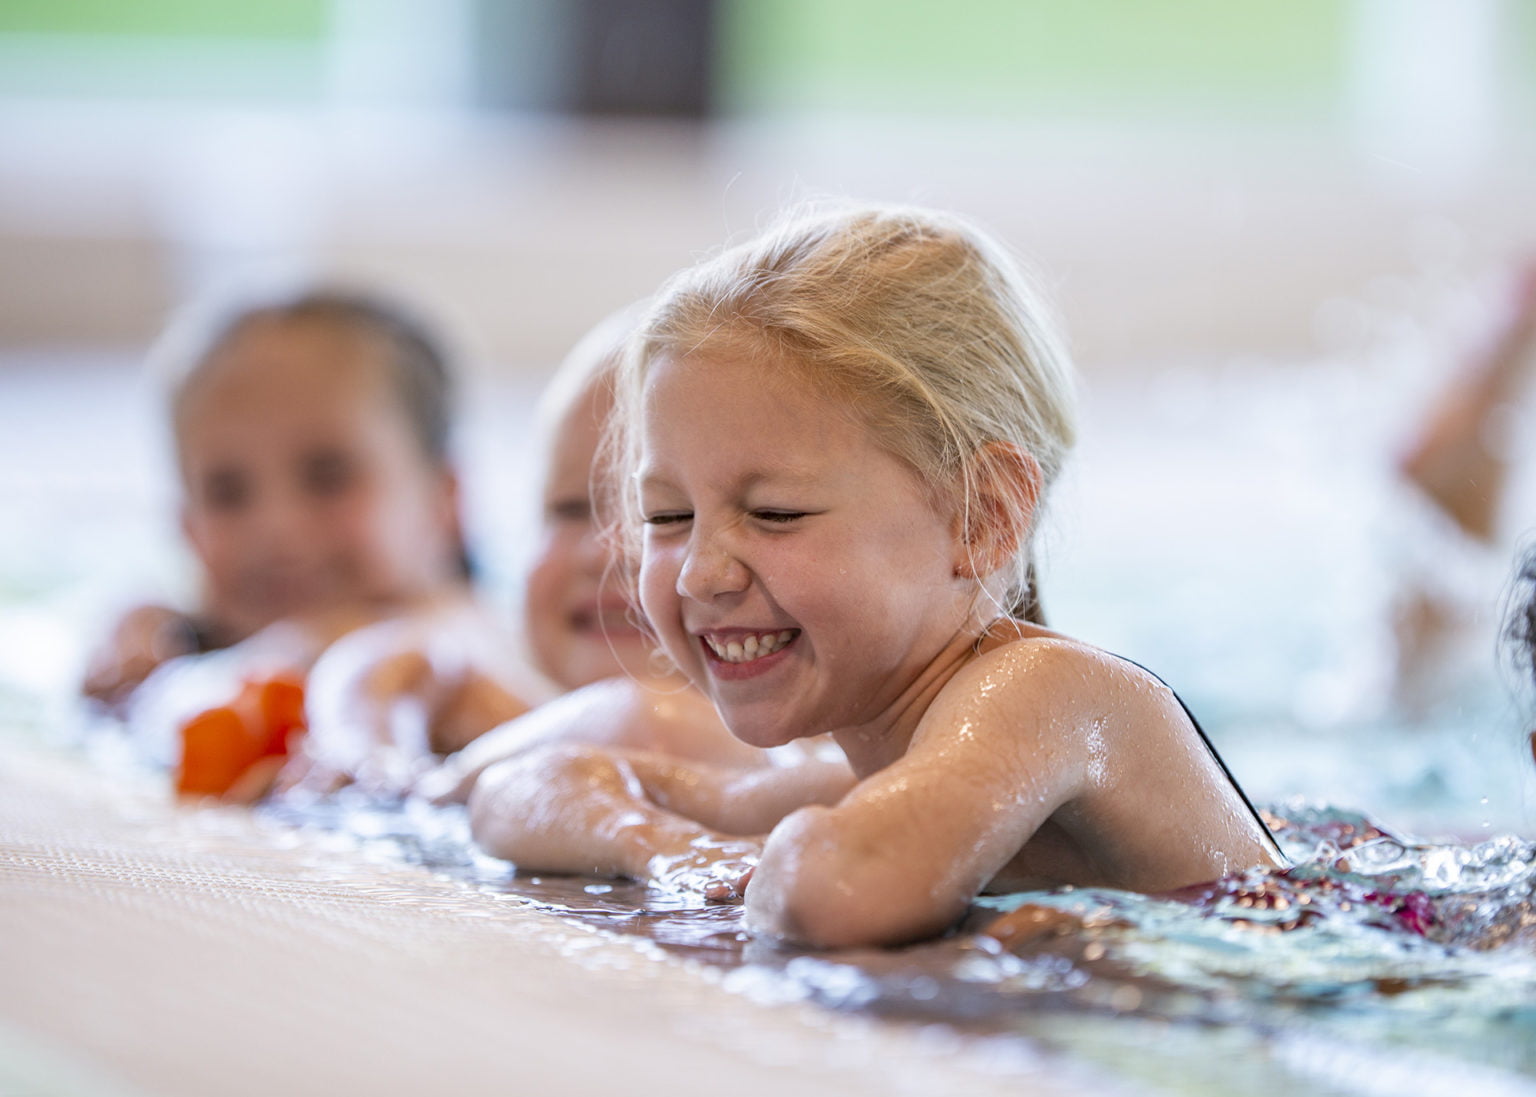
304, 485
795, 570
580, 627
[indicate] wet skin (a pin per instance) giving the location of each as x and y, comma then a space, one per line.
987, 750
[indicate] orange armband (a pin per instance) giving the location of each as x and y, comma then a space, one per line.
220, 745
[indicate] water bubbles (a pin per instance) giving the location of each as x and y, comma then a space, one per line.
1381, 855
842, 986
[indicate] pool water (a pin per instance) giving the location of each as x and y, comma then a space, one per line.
1223, 531
1374, 964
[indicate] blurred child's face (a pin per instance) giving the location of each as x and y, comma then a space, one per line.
795, 570
305, 487
580, 627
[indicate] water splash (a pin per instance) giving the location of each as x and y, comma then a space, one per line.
1371, 951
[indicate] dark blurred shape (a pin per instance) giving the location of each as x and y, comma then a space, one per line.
655, 58
598, 57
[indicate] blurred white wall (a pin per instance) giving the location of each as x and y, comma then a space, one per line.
1164, 239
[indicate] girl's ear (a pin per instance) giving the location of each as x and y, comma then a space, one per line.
1005, 488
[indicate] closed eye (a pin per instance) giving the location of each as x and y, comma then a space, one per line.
778, 517
328, 473
668, 518
574, 509
226, 490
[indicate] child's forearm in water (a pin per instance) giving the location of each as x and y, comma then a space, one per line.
585, 809
750, 801
575, 809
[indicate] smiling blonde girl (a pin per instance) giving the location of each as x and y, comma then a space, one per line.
836, 441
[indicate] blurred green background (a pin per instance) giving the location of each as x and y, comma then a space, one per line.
1284, 62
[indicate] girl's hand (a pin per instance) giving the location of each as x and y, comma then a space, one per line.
715, 867
141, 641
387, 701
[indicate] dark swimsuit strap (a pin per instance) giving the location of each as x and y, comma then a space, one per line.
1215, 754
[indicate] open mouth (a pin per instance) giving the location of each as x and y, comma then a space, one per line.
749, 647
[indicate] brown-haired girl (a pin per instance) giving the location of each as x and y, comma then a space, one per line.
311, 436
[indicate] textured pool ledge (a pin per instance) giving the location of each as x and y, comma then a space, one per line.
153, 948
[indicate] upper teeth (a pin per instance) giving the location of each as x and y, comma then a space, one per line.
750, 647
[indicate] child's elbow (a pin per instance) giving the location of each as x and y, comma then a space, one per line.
813, 889
520, 808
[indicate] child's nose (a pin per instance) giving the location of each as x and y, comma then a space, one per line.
711, 569
282, 519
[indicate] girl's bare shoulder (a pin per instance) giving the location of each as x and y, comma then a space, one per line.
1016, 651
1021, 667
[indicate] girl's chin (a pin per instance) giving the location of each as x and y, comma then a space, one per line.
755, 733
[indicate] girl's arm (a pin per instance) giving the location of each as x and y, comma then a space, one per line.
1033, 732
1450, 459
584, 809
901, 857
616, 713
386, 700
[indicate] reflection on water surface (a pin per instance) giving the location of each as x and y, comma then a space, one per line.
1375, 964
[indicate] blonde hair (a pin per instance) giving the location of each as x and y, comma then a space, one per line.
924, 325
